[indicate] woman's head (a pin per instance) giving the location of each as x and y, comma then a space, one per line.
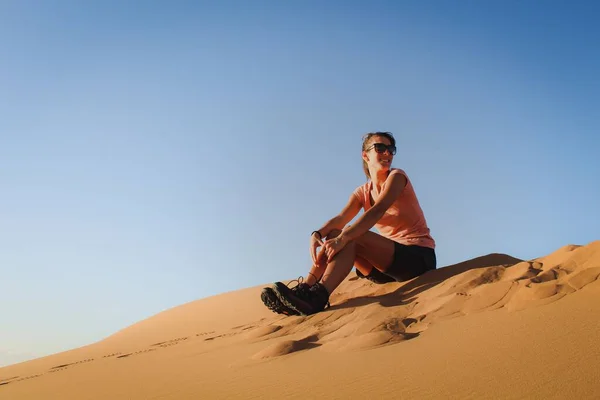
378, 149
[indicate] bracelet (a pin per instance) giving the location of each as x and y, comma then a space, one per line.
317, 232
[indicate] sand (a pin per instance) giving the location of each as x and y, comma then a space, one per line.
494, 327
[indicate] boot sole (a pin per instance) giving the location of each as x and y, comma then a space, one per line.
280, 294
273, 303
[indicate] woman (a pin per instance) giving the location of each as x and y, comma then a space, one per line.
403, 249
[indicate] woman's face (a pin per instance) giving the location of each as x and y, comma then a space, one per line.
379, 153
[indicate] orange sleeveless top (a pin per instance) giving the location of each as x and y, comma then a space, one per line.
404, 222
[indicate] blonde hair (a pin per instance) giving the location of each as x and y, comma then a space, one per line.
365, 142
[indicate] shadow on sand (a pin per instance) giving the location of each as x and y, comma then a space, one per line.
406, 293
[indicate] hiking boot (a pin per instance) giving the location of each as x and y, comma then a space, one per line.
305, 303
270, 299
273, 303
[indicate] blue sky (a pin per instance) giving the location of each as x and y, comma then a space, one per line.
155, 153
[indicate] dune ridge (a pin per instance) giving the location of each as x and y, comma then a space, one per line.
235, 331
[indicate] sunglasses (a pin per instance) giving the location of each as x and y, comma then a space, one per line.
381, 148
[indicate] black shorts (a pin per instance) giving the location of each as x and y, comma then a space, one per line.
411, 261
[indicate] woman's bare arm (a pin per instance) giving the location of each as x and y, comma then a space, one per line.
393, 188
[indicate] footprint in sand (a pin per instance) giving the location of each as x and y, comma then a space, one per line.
522, 270
205, 333
111, 355
7, 380
58, 368
237, 330
536, 294
489, 297
583, 278
550, 275
153, 347
136, 353
23, 379
246, 327
62, 367
171, 342
415, 325
213, 338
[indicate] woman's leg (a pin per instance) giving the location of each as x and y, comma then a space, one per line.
366, 270
363, 266
318, 269
370, 249
315, 274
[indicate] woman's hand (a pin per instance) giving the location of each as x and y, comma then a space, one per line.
315, 243
333, 246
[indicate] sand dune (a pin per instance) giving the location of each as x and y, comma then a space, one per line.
491, 327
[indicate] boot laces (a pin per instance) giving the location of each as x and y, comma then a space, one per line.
300, 288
